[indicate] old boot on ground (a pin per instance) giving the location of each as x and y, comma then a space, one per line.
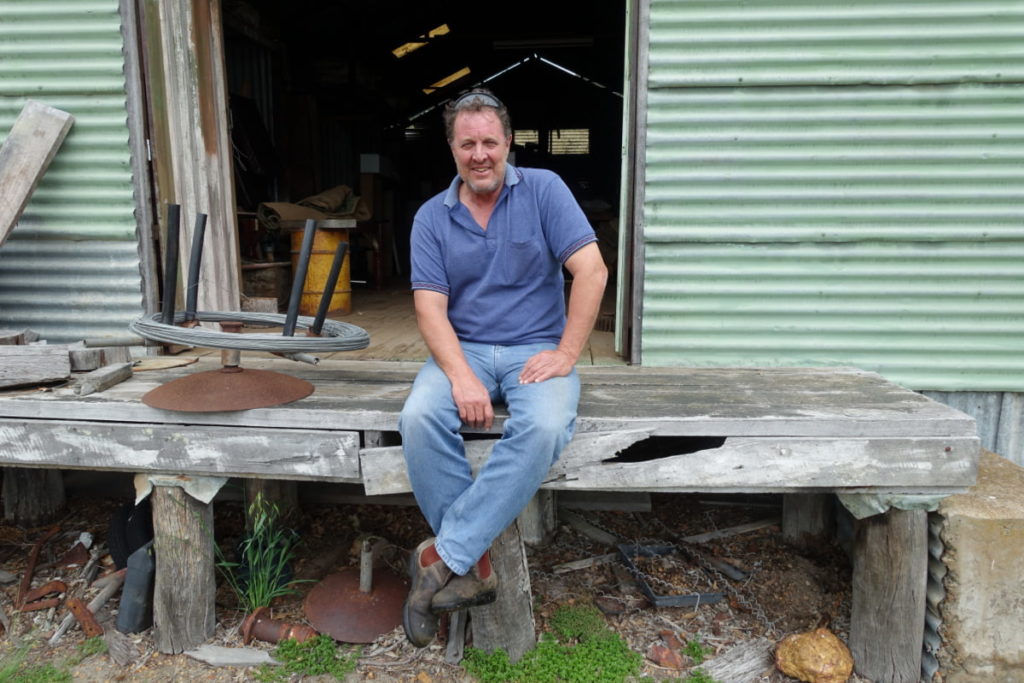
429, 574
478, 587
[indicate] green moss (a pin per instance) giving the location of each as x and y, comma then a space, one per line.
582, 650
315, 657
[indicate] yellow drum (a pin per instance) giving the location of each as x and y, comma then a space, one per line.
325, 244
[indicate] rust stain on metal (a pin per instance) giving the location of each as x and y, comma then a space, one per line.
85, 617
260, 625
40, 604
202, 19
216, 391
336, 606
51, 588
30, 566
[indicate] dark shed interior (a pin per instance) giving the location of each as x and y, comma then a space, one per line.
319, 98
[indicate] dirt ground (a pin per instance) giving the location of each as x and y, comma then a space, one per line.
779, 590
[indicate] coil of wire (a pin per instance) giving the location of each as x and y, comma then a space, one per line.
334, 336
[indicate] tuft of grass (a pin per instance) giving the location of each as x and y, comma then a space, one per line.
699, 676
696, 651
265, 559
316, 657
15, 667
582, 650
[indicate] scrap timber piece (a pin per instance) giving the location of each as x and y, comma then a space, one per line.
26, 153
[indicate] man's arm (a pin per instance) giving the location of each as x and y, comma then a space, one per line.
589, 276
469, 393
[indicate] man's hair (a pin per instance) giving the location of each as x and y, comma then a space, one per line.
477, 99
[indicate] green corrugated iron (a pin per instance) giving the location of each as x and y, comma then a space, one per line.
833, 185
71, 268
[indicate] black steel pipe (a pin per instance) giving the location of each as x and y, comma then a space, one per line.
299, 278
332, 280
171, 263
192, 293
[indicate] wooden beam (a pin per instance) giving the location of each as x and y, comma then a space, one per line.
890, 574
27, 151
33, 364
383, 469
222, 451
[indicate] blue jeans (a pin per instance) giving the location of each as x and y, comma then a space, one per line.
466, 514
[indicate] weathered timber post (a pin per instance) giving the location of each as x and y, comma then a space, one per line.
32, 497
807, 518
538, 519
507, 623
184, 612
890, 574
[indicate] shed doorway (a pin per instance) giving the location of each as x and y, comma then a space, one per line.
327, 94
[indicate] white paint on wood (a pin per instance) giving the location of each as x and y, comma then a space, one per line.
383, 469
26, 153
795, 463
285, 454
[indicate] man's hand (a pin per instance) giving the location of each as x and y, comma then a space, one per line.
474, 403
545, 365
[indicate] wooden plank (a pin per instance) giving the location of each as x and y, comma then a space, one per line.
103, 378
890, 574
284, 454
26, 153
753, 464
348, 396
33, 364
383, 469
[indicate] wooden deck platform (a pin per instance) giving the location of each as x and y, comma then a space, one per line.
715, 430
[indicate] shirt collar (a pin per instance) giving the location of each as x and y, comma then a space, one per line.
451, 198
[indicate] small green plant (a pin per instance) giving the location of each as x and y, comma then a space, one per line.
582, 649
263, 571
315, 657
695, 651
698, 676
14, 665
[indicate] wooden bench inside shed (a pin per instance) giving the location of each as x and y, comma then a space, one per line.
796, 431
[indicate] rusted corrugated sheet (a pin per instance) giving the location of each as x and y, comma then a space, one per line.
71, 268
837, 185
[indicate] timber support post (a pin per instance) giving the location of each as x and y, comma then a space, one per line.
890, 575
184, 610
808, 518
508, 622
32, 496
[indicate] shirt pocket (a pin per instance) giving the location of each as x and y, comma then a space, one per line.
524, 260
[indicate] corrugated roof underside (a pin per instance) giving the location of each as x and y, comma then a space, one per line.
70, 269
880, 226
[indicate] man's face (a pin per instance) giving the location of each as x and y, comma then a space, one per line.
480, 149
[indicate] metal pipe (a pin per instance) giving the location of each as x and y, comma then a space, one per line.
332, 280
192, 293
171, 263
299, 278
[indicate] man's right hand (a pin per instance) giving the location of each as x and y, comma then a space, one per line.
474, 402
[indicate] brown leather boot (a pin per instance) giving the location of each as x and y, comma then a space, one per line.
478, 587
429, 575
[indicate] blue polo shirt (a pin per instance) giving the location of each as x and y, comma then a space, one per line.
504, 284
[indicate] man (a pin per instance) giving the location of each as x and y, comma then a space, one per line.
487, 258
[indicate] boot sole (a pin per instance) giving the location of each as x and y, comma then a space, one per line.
485, 598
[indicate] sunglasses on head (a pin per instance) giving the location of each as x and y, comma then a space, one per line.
485, 99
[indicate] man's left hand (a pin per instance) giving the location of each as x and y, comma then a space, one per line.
545, 365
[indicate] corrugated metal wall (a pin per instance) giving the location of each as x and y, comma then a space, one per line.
70, 269
837, 184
